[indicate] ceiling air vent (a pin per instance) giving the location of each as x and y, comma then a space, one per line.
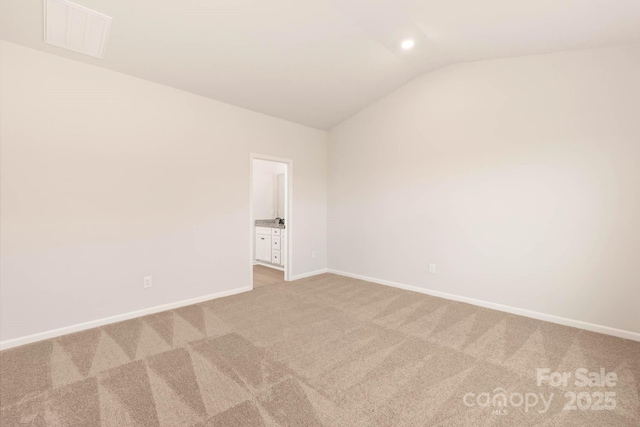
74, 27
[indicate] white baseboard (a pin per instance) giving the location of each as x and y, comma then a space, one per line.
635, 336
266, 264
309, 274
113, 319
621, 333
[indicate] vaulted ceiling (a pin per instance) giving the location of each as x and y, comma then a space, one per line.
317, 62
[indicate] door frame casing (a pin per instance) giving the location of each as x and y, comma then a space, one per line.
288, 268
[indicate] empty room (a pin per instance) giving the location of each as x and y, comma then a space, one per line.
319, 213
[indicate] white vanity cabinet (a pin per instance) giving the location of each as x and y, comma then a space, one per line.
271, 245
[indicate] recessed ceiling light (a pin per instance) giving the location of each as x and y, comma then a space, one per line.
407, 44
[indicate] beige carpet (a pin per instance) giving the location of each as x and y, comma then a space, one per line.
320, 351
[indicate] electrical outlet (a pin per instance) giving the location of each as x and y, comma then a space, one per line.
313, 254
146, 282
432, 268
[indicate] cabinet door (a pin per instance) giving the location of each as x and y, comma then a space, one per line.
263, 248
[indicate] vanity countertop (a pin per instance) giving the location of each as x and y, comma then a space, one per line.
271, 223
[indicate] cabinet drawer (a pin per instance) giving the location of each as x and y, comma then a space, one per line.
263, 230
275, 257
275, 243
275, 231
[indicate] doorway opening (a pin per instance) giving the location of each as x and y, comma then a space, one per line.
270, 220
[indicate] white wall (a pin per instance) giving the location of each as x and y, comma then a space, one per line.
106, 178
519, 178
265, 186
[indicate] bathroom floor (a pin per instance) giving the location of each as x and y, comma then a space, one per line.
263, 276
